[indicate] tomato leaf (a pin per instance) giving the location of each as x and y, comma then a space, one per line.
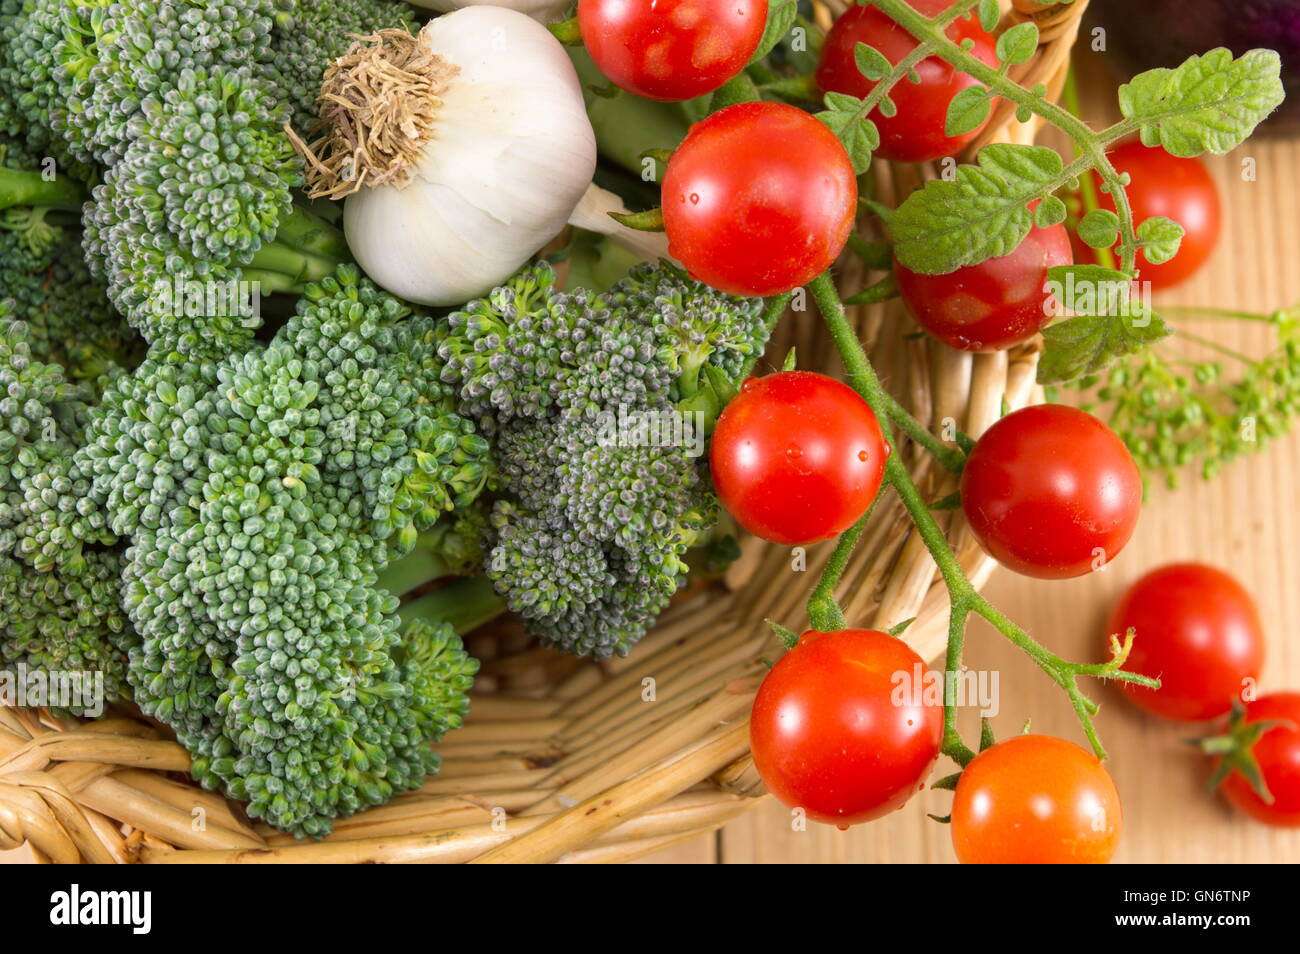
967, 111
1051, 211
1018, 44
1099, 228
870, 62
1110, 322
1159, 238
1209, 103
856, 131
979, 214
990, 13
780, 18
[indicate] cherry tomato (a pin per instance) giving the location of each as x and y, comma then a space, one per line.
1035, 800
829, 733
1051, 492
1278, 755
797, 457
1197, 632
671, 49
758, 199
993, 305
1178, 189
916, 132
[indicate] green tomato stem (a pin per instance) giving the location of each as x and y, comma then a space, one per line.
824, 613
963, 597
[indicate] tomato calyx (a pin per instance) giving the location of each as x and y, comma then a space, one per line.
1235, 750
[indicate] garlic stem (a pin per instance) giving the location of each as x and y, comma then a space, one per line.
592, 214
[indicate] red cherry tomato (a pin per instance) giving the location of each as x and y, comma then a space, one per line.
1178, 189
1197, 632
829, 733
797, 457
1051, 492
1278, 755
993, 305
916, 132
1035, 800
750, 212
671, 49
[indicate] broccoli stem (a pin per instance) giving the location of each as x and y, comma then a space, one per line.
420, 566
465, 603
305, 249
308, 232
18, 187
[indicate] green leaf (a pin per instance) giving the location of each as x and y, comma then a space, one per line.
1019, 43
1051, 211
1110, 323
1099, 228
990, 13
1089, 289
1210, 103
780, 18
967, 111
857, 132
981, 213
1159, 238
871, 62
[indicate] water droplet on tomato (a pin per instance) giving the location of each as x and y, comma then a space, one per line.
887, 449
695, 198
842, 827
749, 384
864, 456
793, 452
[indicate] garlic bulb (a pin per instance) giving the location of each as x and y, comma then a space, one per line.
462, 151
545, 11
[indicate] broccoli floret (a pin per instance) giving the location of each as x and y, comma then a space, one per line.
391, 435
508, 353
46, 516
263, 494
66, 621
198, 193
588, 537
179, 100
695, 324
60, 600
43, 270
33, 34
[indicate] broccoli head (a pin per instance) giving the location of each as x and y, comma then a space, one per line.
597, 407
262, 494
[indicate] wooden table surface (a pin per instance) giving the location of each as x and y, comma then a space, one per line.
1245, 521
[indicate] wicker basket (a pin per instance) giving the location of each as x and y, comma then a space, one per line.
563, 759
